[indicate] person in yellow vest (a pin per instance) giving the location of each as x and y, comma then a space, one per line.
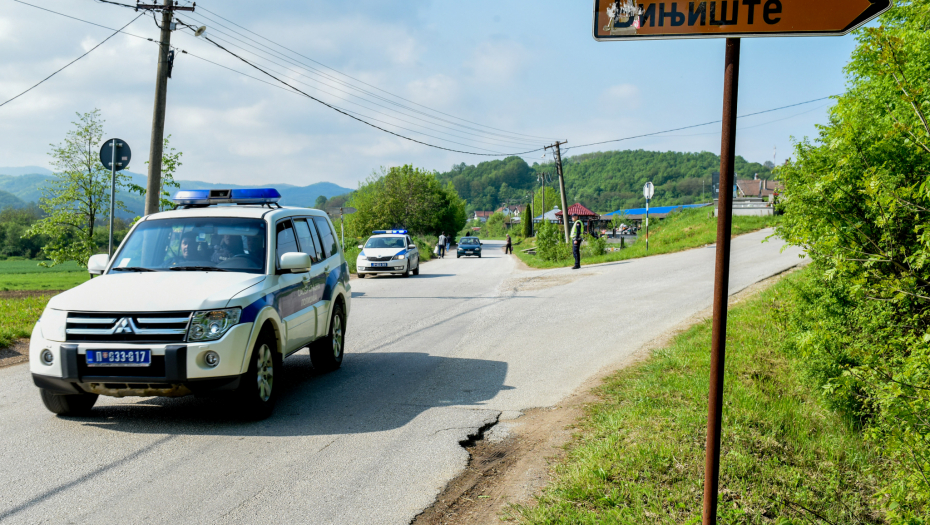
577, 230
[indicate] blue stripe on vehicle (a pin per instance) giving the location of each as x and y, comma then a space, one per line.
334, 277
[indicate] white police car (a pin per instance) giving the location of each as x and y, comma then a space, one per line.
200, 299
388, 251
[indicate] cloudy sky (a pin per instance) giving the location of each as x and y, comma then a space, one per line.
505, 75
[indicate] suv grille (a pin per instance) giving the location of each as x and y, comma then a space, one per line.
161, 327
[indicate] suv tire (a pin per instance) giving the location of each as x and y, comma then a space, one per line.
257, 392
327, 353
68, 404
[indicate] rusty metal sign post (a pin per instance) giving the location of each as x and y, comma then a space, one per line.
630, 20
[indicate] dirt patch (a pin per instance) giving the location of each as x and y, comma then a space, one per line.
16, 354
541, 282
514, 469
19, 294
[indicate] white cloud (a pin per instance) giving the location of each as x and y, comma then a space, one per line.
620, 97
498, 62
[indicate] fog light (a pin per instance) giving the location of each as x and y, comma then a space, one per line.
211, 359
47, 357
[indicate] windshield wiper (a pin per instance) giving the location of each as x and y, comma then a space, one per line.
132, 269
197, 269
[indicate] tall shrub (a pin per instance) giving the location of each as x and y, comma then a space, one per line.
858, 200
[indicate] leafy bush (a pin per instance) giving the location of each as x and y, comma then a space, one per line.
495, 227
550, 245
857, 200
593, 247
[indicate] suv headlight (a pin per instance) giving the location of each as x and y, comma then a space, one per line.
52, 324
399, 257
208, 325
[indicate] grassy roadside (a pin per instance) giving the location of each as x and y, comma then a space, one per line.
786, 458
19, 317
26, 274
679, 232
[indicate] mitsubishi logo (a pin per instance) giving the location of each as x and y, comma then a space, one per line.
124, 326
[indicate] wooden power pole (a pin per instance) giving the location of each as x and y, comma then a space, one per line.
156, 146
558, 168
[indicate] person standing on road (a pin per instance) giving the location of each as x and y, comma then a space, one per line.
509, 247
448, 242
576, 241
442, 245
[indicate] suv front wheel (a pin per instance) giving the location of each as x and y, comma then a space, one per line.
257, 391
326, 353
68, 404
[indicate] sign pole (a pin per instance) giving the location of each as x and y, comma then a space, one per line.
721, 282
647, 225
112, 193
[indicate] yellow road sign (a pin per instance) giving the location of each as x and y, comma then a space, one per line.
665, 19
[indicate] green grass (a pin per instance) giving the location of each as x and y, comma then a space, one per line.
679, 232
19, 317
785, 458
32, 266
26, 274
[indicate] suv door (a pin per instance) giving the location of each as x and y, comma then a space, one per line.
329, 268
291, 289
310, 244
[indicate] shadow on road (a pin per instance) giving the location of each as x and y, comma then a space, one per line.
372, 392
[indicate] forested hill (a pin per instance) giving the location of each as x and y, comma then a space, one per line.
603, 181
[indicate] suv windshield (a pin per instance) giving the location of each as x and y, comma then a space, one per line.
386, 242
202, 243
468, 240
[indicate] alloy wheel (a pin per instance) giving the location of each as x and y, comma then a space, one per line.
265, 375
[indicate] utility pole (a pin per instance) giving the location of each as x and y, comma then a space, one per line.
558, 167
156, 146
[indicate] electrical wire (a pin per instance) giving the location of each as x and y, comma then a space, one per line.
363, 121
236, 42
116, 32
697, 125
290, 70
85, 21
365, 83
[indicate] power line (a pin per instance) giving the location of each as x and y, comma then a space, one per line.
73, 61
284, 73
698, 125
85, 21
367, 84
276, 54
334, 108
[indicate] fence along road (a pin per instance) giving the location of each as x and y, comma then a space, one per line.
430, 360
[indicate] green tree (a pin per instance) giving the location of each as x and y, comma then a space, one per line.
857, 199
78, 196
405, 197
496, 226
551, 201
527, 221
170, 162
320, 202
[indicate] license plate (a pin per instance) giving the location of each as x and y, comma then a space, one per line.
119, 357
375, 265
469, 252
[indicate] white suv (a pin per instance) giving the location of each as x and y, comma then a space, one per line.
200, 299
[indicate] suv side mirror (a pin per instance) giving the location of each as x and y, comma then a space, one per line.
97, 264
295, 262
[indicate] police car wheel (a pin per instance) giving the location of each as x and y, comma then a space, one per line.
69, 404
416, 271
360, 275
326, 353
257, 390
406, 271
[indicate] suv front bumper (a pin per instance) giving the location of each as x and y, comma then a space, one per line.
175, 370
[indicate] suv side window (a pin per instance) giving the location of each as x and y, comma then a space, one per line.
306, 239
330, 246
286, 240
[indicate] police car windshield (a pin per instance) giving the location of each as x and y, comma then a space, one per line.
468, 240
386, 242
224, 243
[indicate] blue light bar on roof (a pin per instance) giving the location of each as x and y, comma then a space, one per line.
237, 196
380, 232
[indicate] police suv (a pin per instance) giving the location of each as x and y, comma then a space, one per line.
200, 299
388, 251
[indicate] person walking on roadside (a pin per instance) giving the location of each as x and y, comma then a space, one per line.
576, 241
442, 245
509, 247
448, 242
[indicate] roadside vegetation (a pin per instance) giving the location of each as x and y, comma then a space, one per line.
785, 456
26, 274
679, 231
19, 316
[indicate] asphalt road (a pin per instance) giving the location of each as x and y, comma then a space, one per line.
430, 360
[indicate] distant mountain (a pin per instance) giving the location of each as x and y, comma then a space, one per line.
25, 185
25, 170
8, 200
